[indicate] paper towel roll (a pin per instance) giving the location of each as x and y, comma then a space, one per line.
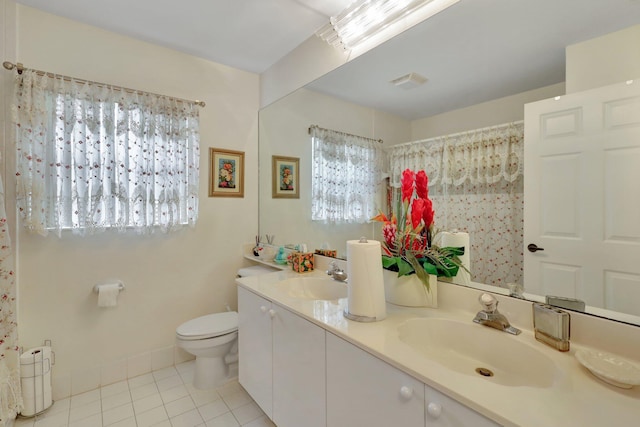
35, 380
108, 294
459, 239
366, 286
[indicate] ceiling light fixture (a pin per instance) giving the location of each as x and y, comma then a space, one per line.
363, 19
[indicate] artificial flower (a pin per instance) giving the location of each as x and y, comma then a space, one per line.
408, 232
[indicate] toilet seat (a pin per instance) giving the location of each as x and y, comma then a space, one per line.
209, 326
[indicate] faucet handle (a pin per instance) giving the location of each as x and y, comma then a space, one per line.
488, 302
332, 267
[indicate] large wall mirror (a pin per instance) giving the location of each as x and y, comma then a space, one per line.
483, 61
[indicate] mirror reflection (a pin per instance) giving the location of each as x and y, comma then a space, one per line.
481, 67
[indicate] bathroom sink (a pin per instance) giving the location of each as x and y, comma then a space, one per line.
314, 288
480, 351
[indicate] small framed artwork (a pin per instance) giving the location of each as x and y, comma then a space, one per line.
226, 173
285, 177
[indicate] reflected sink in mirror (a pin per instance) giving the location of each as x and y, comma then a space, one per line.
480, 351
312, 288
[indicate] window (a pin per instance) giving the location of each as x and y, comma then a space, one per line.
91, 157
346, 173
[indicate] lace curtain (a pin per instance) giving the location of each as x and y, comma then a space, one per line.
10, 394
345, 176
92, 157
476, 184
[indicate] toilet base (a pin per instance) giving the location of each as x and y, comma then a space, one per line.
209, 372
212, 372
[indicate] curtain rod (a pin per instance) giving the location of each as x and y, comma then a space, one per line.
466, 132
344, 133
20, 68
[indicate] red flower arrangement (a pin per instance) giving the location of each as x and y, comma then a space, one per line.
407, 246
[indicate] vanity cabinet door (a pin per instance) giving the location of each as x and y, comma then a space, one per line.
362, 390
443, 411
255, 348
299, 391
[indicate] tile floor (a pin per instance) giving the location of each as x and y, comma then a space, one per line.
163, 398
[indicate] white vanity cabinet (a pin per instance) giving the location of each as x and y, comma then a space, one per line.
302, 375
255, 348
362, 390
443, 411
282, 362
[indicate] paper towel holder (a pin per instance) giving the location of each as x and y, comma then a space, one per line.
96, 287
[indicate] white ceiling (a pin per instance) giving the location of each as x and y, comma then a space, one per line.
247, 34
475, 51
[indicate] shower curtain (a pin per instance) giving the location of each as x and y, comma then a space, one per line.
10, 394
476, 184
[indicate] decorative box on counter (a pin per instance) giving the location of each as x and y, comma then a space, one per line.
302, 262
327, 252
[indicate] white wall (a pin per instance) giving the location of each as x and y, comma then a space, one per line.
169, 278
284, 131
605, 60
498, 111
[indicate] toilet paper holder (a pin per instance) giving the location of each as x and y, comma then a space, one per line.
96, 287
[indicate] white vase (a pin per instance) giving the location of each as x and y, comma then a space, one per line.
409, 291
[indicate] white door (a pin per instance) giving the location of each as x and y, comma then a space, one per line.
299, 372
443, 411
582, 197
362, 390
255, 348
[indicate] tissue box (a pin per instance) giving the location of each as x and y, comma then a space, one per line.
327, 252
302, 262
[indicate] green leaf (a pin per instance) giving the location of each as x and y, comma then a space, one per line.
404, 267
448, 251
388, 262
419, 270
430, 268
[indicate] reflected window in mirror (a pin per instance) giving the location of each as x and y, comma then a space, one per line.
346, 173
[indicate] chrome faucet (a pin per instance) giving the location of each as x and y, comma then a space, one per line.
490, 316
336, 272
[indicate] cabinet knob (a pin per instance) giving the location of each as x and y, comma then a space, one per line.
272, 312
406, 392
434, 409
263, 308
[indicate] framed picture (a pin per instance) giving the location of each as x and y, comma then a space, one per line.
286, 183
226, 173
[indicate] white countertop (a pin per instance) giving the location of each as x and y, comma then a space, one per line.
577, 398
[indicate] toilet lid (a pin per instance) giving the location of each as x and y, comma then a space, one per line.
211, 325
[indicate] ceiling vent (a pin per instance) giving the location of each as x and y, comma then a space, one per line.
409, 81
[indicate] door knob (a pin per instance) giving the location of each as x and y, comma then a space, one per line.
532, 247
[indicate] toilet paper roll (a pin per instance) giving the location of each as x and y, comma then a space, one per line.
108, 294
35, 380
459, 239
366, 285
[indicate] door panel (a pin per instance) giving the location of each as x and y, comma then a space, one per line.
582, 197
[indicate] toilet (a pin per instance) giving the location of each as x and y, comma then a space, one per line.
213, 340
